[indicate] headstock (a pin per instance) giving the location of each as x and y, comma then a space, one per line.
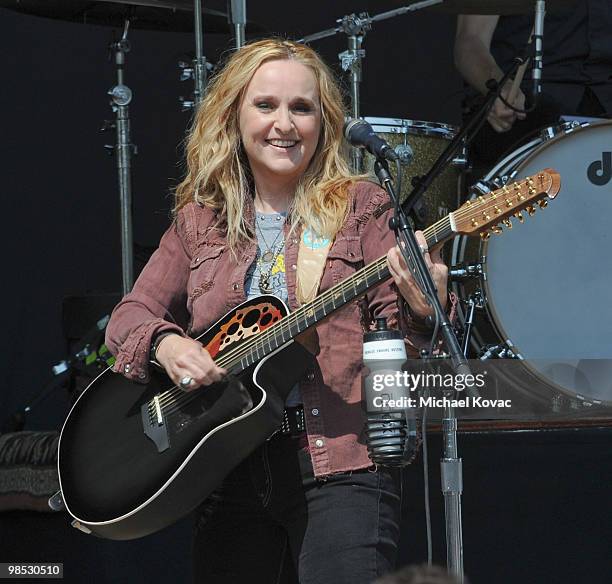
484, 214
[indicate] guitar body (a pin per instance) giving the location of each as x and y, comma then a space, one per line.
126, 472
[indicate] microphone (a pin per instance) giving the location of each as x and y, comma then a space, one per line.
360, 134
538, 37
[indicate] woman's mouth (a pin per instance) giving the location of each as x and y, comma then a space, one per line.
282, 144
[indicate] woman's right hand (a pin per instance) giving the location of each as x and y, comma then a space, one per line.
184, 357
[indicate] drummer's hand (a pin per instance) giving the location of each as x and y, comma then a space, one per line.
405, 281
183, 357
501, 117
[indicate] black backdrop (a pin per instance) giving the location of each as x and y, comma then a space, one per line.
529, 517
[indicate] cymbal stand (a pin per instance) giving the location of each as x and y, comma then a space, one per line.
238, 16
199, 63
121, 96
355, 27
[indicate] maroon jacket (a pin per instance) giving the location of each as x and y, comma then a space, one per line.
192, 280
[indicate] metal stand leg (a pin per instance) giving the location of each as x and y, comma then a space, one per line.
351, 60
199, 63
452, 487
121, 96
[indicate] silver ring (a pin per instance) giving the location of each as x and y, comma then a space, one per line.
186, 382
424, 249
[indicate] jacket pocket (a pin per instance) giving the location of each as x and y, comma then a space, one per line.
203, 269
345, 258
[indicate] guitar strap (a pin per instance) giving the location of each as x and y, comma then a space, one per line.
310, 265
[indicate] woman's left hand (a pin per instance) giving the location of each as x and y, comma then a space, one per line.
405, 281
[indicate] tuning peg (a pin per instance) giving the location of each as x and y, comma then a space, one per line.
542, 204
485, 235
531, 210
520, 217
496, 229
507, 223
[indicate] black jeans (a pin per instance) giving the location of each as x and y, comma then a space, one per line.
273, 522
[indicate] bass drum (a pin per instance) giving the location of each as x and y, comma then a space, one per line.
546, 285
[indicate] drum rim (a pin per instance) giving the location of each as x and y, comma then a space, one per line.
512, 165
414, 127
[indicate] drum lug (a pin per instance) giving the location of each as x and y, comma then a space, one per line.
501, 351
463, 271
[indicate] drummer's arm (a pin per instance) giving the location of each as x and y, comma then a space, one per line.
473, 57
476, 64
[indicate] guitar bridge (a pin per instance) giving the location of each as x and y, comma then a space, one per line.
154, 424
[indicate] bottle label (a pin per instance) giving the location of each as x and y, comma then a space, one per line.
388, 349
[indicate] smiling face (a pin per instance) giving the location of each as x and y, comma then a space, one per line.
280, 121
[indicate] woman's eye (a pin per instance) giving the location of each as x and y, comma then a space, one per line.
263, 105
303, 108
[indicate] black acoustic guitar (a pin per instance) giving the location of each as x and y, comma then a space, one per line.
135, 458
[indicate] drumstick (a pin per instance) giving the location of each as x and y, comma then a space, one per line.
520, 73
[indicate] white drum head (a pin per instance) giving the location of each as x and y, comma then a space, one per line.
549, 280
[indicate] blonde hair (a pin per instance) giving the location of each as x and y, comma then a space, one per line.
218, 174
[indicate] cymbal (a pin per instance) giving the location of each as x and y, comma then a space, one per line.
501, 7
164, 15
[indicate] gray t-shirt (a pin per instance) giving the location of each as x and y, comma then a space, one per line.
270, 260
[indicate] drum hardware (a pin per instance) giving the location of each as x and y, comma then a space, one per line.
121, 96
404, 153
238, 19
162, 15
463, 271
187, 73
199, 62
497, 7
474, 301
500, 351
565, 128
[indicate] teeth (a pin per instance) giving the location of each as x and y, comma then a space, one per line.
283, 143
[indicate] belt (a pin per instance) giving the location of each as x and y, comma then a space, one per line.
294, 422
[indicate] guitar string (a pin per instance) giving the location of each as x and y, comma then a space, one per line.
271, 334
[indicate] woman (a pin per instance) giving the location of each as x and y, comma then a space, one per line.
266, 179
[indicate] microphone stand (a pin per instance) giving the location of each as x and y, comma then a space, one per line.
450, 464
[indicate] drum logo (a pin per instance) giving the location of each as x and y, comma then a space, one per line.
600, 171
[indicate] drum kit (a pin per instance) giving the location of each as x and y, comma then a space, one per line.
540, 293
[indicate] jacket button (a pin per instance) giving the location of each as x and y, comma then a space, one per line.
319, 443
142, 375
294, 267
127, 368
315, 412
310, 376
235, 287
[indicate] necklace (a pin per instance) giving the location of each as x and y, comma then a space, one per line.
264, 277
268, 255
